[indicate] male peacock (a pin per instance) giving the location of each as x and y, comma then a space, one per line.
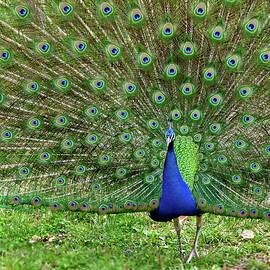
139, 105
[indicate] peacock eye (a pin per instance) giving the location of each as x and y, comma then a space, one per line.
107, 10
137, 17
5, 55
44, 47
168, 31
251, 26
146, 59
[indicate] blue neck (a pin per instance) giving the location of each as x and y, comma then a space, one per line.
177, 199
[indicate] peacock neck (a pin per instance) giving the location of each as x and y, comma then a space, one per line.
177, 198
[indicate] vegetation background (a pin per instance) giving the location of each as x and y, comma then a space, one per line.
47, 240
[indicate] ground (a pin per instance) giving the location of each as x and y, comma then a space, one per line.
46, 240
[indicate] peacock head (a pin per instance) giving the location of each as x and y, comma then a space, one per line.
169, 136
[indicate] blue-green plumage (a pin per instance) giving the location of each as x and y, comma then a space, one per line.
177, 199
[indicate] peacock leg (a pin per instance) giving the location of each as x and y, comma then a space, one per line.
178, 231
194, 252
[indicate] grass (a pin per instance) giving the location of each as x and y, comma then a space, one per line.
128, 241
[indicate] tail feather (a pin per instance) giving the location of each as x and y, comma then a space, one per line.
87, 88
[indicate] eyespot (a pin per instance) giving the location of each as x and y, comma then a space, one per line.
43, 47
96, 187
266, 215
265, 57
125, 137
36, 201
65, 8
145, 59
154, 163
176, 115
252, 26
113, 51
253, 213
258, 191
73, 205
60, 181
202, 203
203, 167
60, 121
167, 30
92, 139
84, 207
79, 46
187, 49
219, 208
139, 154
80, 169
55, 206
248, 119
184, 129
44, 156
240, 144
217, 34
237, 179
98, 84
156, 143
149, 179
22, 11
67, 144
222, 159
153, 124
4, 55
255, 167
130, 88
162, 154
120, 172
33, 123
103, 209
209, 74
200, 10
106, 9
245, 91
62, 83
6, 135
92, 111
23, 171
233, 61
267, 149
195, 115
215, 128
215, 100
122, 114
16, 199
242, 213
209, 146
136, 16
154, 203
159, 97
206, 180
104, 159
197, 137
171, 71
31, 87
187, 89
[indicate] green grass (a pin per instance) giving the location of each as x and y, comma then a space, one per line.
127, 241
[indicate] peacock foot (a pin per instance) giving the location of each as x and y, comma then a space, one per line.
193, 253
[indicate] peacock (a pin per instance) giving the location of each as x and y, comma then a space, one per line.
136, 106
